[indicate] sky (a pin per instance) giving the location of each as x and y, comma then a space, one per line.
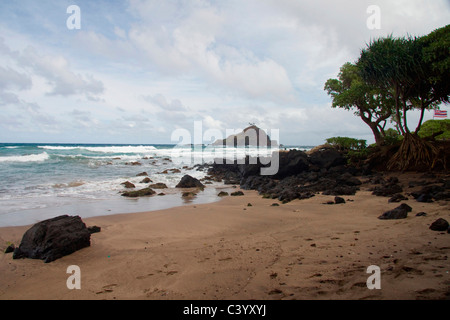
133, 72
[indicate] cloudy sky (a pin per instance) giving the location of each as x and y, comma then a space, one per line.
137, 70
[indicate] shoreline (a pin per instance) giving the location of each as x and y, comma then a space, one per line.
119, 205
303, 249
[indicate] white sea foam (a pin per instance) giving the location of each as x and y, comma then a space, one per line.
113, 149
26, 158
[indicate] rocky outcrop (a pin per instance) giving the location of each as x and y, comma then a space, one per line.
300, 175
52, 239
250, 136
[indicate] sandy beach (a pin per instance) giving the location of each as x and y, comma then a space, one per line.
229, 249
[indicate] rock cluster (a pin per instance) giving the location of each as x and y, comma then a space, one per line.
300, 175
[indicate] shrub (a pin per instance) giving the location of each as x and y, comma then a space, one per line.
347, 144
431, 127
391, 137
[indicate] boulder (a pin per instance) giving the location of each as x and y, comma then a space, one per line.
158, 185
401, 212
338, 200
398, 197
54, 238
146, 180
388, 188
128, 185
430, 192
439, 225
189, 182
139, 193
237, 193
142, 174
222, 194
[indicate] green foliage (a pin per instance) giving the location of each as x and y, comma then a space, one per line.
431, 127
347, 144
392, 137
372, 104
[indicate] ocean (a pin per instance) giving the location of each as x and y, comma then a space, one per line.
40, 181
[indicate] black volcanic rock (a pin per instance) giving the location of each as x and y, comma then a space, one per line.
128, 185
439, 225
189, 182
52, 239
327, 158
401, 212
139, 193
388, 188
397, 198
291, 163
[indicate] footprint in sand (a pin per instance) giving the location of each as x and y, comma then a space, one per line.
108, 288
143, 277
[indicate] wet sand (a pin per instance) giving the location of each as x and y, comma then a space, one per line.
304, 249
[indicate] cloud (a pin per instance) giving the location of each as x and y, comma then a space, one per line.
161, 101
55, 69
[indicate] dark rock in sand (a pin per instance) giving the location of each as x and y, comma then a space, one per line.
223, 194
10, 248
388, 188
341, 191
348, 179
421, 214
128, 185
430, 192
338, 200
94, 229
424, 198
52, 239
237, 193
189, 182
139, 193
401, 212
397, 198
439, 225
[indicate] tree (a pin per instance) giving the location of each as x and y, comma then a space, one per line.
372, 104
415, 72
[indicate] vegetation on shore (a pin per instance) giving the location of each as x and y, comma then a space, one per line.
392, 77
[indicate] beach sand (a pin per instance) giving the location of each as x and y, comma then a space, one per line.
304, 249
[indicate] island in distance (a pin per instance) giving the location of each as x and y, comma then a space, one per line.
250, 136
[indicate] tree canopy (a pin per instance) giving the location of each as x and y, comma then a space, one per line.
391, 77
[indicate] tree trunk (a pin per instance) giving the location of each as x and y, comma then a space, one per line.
414, 154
